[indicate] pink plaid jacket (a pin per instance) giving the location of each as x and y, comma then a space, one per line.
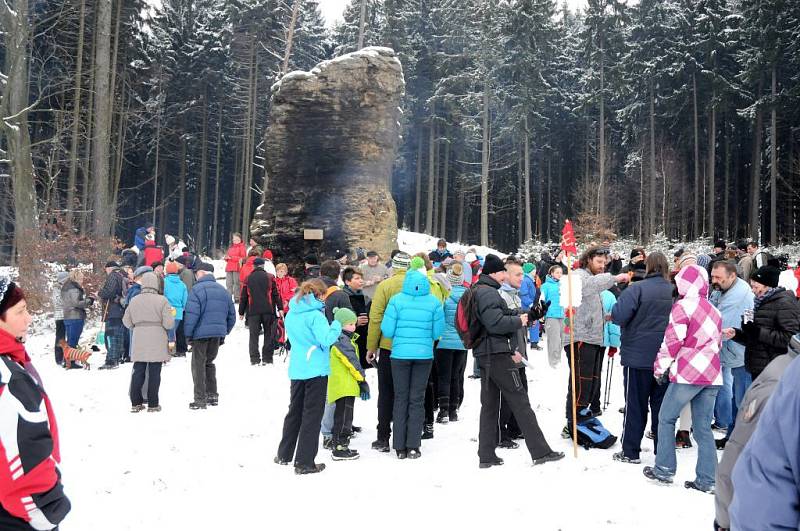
692, 341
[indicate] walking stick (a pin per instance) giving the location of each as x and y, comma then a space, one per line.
609, 372
571, 311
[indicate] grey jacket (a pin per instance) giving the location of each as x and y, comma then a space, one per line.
74, 301
376, 274
149, 315
511, 297
589, 316
55, 299
746, 422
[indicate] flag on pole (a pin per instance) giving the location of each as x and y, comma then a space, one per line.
568, 243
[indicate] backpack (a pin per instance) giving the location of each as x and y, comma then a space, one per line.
467, 324
592, 434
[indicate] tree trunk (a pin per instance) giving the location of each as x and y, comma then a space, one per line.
755, 180
712, 161
76, 119
653, 172
485, 167
200, 231
548, 216
602, 149
362, 24
290, 37
697, 190
528, 216
158, 159
431, 172
14, 123
773, 158
89, 144
460, 227
641, 196
520, 195
102, 115
418, 202
214, 231
725, 194
182, 186
445, 185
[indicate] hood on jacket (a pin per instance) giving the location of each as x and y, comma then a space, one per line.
416, 284
692, 282
551, 280
149, 281
309, 303
505, 286
456, 292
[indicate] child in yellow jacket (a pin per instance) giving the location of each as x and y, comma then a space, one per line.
345, 383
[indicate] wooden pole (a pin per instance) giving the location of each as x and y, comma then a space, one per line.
571, 312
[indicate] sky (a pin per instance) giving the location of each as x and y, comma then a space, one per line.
332, 9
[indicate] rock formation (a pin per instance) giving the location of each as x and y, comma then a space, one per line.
330, 146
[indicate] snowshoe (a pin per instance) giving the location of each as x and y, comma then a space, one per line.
695, 486
622, 458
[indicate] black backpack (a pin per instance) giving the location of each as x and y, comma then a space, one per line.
468, 326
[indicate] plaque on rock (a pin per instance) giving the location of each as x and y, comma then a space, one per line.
330, 145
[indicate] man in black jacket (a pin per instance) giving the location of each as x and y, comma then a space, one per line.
262, 303
334, 297
776, 318
499, 372
111, 295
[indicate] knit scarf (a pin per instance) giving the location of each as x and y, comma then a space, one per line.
758, 301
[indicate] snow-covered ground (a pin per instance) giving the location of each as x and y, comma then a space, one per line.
414, 242
213, 469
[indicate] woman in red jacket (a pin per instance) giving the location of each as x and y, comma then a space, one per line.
152, 253
31, 495
233, 264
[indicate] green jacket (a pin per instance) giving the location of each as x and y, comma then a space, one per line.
346, 371
386, 289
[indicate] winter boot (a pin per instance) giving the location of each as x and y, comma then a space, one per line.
496, 461
402, 454
154, 409
212, 400
695, 486
552, 456
427, 431
197, 405
720, 443
453, 415
314, 469
327, 442
683, 439
443, 417
137, 408
508, 444
279, 461
650, 473
414, 453
381, 445
622, 458
342, 453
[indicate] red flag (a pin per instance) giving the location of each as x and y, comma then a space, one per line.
568, 244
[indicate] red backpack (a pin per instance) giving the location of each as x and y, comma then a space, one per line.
468, 325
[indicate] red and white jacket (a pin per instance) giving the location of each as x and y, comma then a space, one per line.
30, 488
693, 338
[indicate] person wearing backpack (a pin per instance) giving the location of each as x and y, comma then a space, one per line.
451, 356
491, 326
262, 303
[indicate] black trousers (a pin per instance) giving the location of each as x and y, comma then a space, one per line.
431, 394
410, 381
180, 339
255, 323
204, 372
500, 377
588, 369
153, 373
509, 427
450, 365
385, 395
61, 333
343, 420
300, 439
641, 391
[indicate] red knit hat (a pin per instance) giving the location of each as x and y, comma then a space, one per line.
267, 254
171, 268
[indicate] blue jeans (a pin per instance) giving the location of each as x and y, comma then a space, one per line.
702, 399
722, 406
74, 329
741, 383
533, 333
171, 333
327, 419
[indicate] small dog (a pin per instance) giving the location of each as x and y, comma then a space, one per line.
80, 354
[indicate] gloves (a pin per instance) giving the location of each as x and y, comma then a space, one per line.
364, 388
663, 379
750, 329
612, 351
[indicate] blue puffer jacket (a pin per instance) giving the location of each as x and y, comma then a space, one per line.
732, 305
209, 311
414, 319
642, 312
311, 337
450, 338
551, 291
176, 293
528, 292
611, 332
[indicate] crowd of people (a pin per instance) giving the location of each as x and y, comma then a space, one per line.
703, 343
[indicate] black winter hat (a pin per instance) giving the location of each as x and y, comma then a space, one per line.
767, 275
722, 244
635, 253
493, 264
204, 266
112, 263
259, 262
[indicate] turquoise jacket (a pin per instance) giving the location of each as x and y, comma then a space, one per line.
176, 293
612, 335
450, 338
311, 337
414, 319
551, 292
